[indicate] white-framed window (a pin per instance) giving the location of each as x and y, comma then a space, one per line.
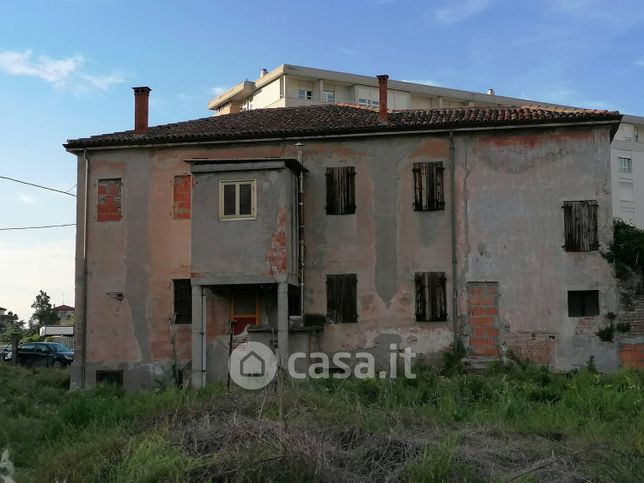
328, 95
247, 105
625, 191
238, 200
625, 165
368, 102
305, 94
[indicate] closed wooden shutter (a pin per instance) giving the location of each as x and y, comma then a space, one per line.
341, 293
428, 186
340, 191
580, 226
431, 297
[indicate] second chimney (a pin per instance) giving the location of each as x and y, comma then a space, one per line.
383, 114
141, 102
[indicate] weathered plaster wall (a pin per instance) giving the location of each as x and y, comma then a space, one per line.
260, 250
385, 242
509, 226
511, 189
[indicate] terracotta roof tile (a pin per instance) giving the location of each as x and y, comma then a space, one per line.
337, 119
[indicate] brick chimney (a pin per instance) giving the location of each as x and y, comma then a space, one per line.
383, 114
141, 98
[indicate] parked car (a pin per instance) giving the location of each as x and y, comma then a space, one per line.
44, 354
5, 353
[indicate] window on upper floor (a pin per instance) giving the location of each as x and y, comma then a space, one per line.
431, 297
305, 94
625, 191
341, 298
109, 200
580, 226
583, 303
428, 186
328, 95
182, 298
340, 191
237, 200
625, 165
182, 196
247, 104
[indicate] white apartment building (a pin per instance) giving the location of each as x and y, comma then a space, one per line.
292, 85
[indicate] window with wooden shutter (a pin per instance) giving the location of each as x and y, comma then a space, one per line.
580, 226
583, 303
340, 191
431, 297
428, 186
341, 298
182, 301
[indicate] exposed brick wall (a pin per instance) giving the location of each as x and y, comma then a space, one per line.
483, 317
109, 200
537, 348
182, 197
277, 256
632, 355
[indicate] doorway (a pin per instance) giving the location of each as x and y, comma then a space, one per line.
244, 309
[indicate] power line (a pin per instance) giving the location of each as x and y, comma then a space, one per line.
36, 227
39, 186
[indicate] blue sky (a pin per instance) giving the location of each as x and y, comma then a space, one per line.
67, 66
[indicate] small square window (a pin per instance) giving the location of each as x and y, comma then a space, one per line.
625, 165
583, 303
329, 96
237, 200
114, 378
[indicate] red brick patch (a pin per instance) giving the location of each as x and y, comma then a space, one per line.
182, 197
632, 355
109, 200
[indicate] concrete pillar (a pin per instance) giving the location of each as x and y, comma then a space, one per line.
198, 378
282, 323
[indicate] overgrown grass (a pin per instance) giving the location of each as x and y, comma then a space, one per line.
436, 427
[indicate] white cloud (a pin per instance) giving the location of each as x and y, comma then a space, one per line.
103, 82
65, 73
218, 90
454, 11
26, 199
50, 70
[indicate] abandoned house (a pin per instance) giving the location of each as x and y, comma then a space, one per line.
415, 228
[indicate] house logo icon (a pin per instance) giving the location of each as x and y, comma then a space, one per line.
252, 365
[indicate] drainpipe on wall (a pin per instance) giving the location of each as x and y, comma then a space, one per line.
452, 176
85, 277
300, 222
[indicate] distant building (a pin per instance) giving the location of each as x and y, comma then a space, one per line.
65, 314
292, 85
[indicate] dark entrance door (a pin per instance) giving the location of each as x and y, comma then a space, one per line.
244, 308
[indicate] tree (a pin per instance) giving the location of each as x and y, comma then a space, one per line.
44, 313
10, 323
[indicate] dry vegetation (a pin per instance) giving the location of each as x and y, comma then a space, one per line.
516, 423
